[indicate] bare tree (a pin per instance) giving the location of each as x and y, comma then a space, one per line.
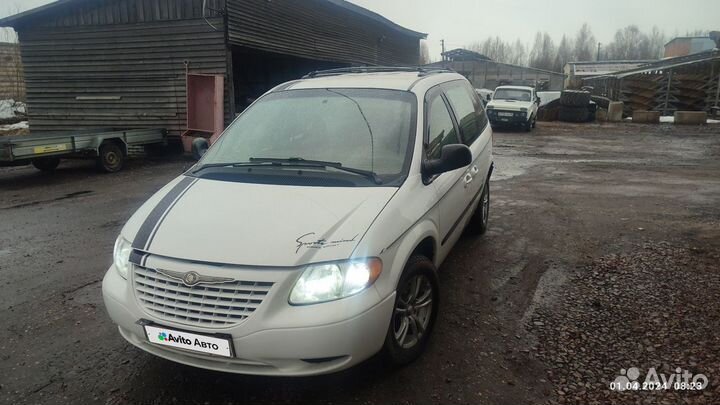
518, 54
697, 33
657, 43
564, 55
543, 53
584, 44
630, 44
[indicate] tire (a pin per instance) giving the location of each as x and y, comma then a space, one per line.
527, 126
574, 114
46, 164
402, 348
534, 121
111, 158
574, 98
480, 219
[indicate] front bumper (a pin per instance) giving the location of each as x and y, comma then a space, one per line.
278, 339
517, 117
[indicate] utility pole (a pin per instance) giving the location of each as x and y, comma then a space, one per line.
442, 41
598, 55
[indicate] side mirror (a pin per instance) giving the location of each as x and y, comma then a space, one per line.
489, 97
199, 147
537, 101
451, 157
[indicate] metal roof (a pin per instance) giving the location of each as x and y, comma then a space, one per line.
462, 55
602, 68
23, 17
666, 64
672, 63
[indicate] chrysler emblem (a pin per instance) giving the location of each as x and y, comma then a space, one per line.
191, 278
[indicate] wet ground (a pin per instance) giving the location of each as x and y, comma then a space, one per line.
603, 254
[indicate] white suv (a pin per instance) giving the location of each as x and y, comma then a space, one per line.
309, 235
514, 106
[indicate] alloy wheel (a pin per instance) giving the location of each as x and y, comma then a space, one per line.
413, 311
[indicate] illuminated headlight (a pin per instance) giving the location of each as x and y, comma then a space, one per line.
121, 256
333, 281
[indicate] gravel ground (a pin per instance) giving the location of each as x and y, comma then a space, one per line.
658, 306
602, 255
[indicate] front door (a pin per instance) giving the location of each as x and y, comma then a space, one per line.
442, 130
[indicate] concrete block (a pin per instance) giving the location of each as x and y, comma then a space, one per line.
646, 117
615, 111
690, 117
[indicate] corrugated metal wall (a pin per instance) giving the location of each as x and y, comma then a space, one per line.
101, 12
125, 76
12, 85
120, 63
316, 29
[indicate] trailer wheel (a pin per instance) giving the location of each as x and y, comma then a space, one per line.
46, 164
111, 158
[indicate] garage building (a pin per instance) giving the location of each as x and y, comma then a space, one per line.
124, 63
485, 73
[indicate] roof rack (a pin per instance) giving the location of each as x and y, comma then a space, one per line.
421, 71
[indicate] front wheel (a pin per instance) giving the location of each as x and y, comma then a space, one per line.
528, 125
413, 318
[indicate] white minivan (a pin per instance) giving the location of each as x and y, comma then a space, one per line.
308, 237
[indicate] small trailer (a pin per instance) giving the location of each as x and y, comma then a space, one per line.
108, 147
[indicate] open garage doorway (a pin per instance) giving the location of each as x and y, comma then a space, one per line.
256, 71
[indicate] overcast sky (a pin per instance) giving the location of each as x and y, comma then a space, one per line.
461, 22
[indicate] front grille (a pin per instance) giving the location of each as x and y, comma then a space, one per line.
214, 305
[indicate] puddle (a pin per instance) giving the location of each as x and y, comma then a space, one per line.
509, 167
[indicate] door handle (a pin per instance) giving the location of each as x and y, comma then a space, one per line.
474, 171
468, 179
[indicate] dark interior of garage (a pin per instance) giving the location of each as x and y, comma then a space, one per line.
256, 71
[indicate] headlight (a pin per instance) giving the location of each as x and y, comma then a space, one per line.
328, 282
523, 110
121, 256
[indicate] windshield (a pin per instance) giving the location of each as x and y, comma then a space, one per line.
512, 94
365, 129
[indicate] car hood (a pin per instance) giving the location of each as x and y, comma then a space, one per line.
254, 224
509, 105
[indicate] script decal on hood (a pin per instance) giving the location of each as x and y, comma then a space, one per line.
308, 242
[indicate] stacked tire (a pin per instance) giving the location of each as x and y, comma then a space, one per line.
574, 106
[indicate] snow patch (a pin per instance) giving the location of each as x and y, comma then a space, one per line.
13, 127
6, 109
671, 120
9, 108
548, 96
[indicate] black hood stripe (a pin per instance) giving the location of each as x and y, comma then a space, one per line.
147, 230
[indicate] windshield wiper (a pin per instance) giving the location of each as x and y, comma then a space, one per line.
298, 161
236, 164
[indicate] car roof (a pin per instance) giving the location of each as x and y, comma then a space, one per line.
399, 80
514, 87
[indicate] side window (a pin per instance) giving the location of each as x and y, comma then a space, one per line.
440, 128
468, 110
